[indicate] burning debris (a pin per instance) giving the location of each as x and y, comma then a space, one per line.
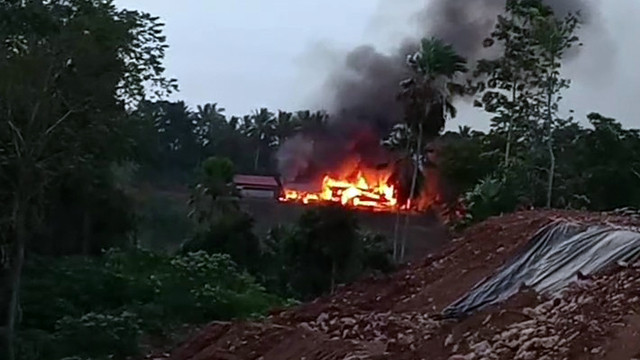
355, 190
362, 101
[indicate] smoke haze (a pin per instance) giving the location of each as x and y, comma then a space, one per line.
360, 93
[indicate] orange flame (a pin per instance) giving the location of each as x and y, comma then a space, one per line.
366, 192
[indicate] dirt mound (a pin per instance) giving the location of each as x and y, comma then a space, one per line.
595, 318
397, 317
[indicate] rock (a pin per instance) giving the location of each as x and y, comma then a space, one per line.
470, 356
406, 339
305, 326
457, 357
549, 342
448, 341
526, 355
482, 348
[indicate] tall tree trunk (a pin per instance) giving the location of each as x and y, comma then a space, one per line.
552, 157
396, 229
414, 181
19, 221
552, 169
507, 152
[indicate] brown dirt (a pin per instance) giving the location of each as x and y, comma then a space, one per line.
395, 317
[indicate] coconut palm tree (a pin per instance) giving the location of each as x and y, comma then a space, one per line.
260, 128
311, 122
285, 126
427, 96
428, 93
210, 123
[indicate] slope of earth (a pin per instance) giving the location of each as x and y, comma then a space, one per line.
397, 317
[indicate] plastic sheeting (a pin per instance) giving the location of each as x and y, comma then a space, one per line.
550, 261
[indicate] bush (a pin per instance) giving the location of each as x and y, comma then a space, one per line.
96, 335
322, 250
231, 233
70, 286
377, 255
212, 286
97, 308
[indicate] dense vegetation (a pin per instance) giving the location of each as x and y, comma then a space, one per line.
100, 307
118, 220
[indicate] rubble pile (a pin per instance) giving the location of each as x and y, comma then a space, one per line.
401, 316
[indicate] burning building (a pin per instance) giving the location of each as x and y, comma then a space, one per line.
344, 162
356, 187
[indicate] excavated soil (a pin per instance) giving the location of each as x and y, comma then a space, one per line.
396, 317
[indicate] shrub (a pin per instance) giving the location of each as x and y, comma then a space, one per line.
97, 308
377, 255
322, 250
97, 335
231, 233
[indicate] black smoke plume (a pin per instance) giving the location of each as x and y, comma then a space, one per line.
363, 92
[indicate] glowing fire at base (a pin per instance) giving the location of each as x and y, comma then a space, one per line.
358, 193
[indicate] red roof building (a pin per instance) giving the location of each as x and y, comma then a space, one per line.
252, 186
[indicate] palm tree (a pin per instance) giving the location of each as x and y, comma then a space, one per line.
285, 126
210, 122
428, 93
465, 131
261, 128
311, 122
427, 96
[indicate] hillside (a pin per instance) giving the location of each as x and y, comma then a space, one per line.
400, 317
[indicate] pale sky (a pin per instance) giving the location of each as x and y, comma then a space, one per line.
246, 54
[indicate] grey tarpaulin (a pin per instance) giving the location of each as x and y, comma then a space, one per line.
550, 261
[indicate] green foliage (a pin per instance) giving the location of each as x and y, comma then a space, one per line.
68, 69
552, 38
587, 159
505, 86
166, 141
322, 250
99, 307
171, 139
214, 197
491, 196
73, 79
377, 256
522, 89
427, 103
231, 233
466, 158
222, 227
427, 95
95, 335
218, 170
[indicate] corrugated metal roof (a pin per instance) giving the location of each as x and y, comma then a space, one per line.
255, 180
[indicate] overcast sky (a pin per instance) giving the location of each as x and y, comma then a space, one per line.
246, 54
